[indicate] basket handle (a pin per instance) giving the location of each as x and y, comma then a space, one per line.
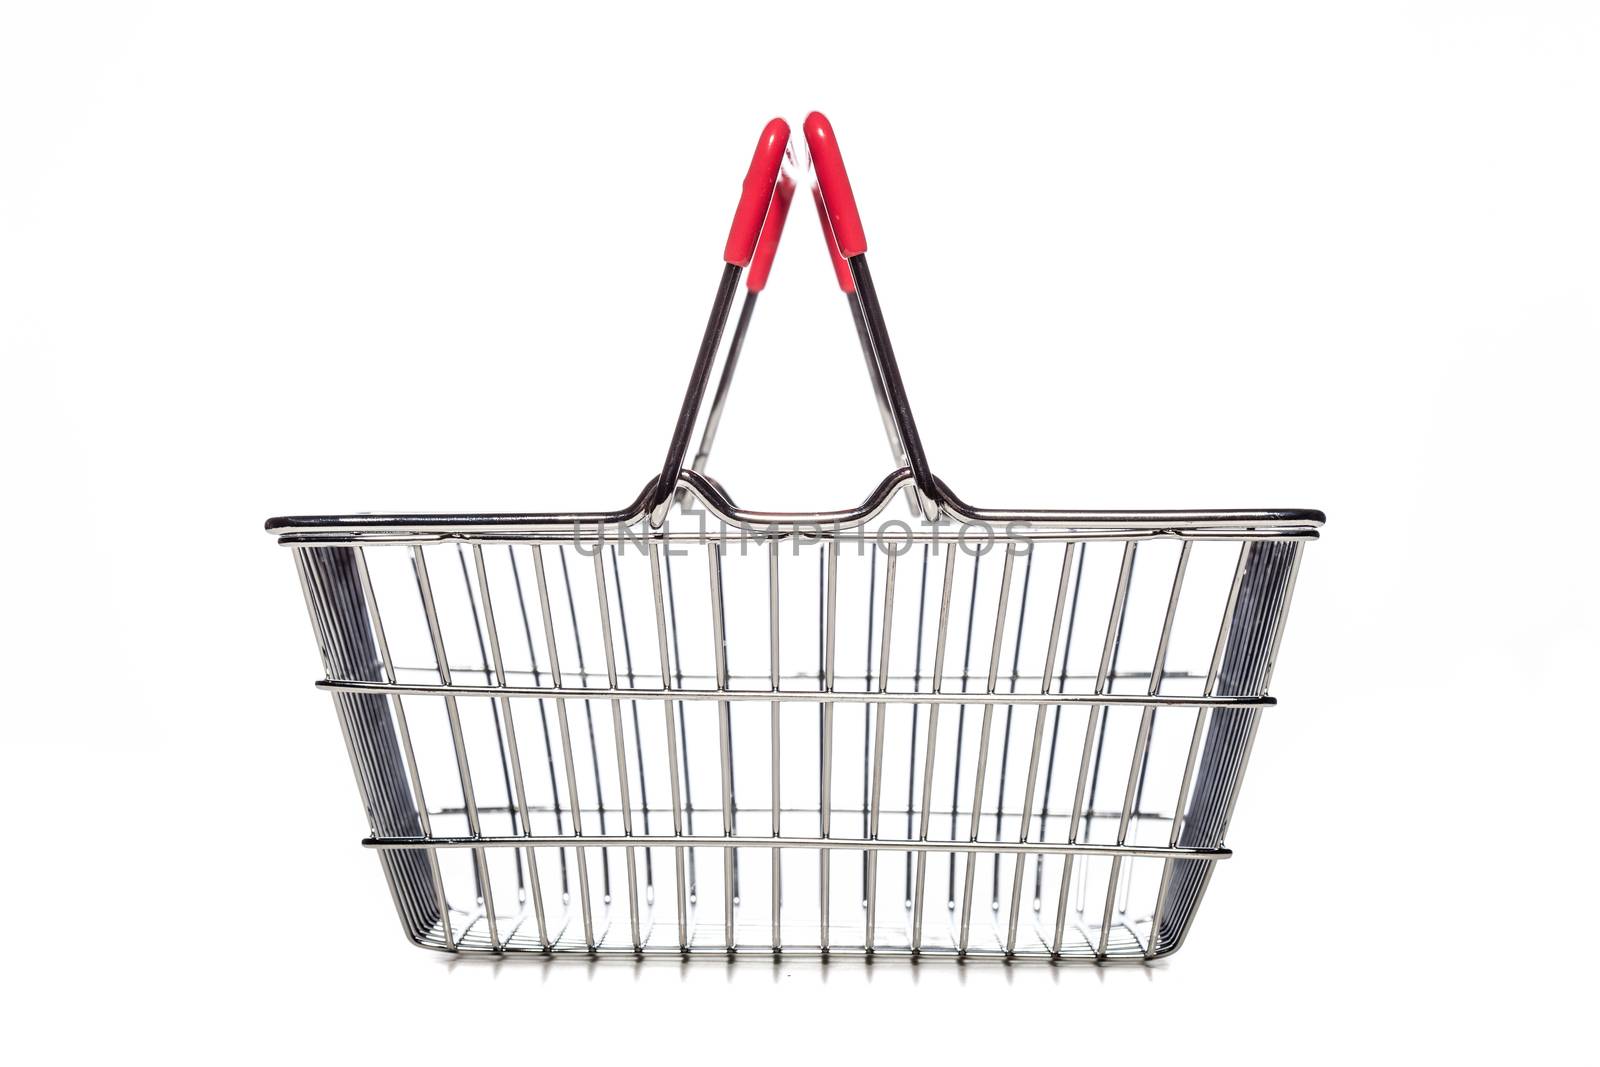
755, 281
755, 200
770, 232
766, 248
848, 243
753, 241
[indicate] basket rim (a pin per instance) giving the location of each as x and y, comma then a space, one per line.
1259, 523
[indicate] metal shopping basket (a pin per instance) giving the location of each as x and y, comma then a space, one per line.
686, 727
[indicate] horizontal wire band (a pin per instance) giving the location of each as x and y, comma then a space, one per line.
887, 813
589, 680
1048, 848
798, 696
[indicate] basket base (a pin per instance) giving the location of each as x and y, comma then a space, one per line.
659, 936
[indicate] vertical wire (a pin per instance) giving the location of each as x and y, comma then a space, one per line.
1005, 743
683, 718
588, 716
511, 740
565, 729
983, 751
719, 640
468, 796
638, 737
495, 709
961, 726
822, 655
1141, 746
871, 856
916, 687
866, 712
733, 764
829, 631
1055, 726
1105, 713
603, 603
1038, 741
544, 722
933, 738
672, 744
1102, 678
477, 877
773, 646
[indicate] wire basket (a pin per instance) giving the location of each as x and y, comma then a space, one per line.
689, 728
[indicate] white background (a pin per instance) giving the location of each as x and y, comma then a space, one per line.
295, 258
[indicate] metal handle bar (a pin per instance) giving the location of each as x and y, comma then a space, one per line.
755, 281
755, 201
766, 250
849, 223
849, 240
753, 241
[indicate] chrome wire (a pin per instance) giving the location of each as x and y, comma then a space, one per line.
1154, 771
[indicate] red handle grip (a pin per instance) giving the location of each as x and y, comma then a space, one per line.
841, 269
839, 203
759, 182
771, 233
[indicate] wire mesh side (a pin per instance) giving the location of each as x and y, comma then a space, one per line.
344, 632
1254, 628
801, 745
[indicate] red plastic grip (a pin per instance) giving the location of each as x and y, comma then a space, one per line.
759, 181
841, 269
767, 246
839, 201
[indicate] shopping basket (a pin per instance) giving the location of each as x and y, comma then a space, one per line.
686, 727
